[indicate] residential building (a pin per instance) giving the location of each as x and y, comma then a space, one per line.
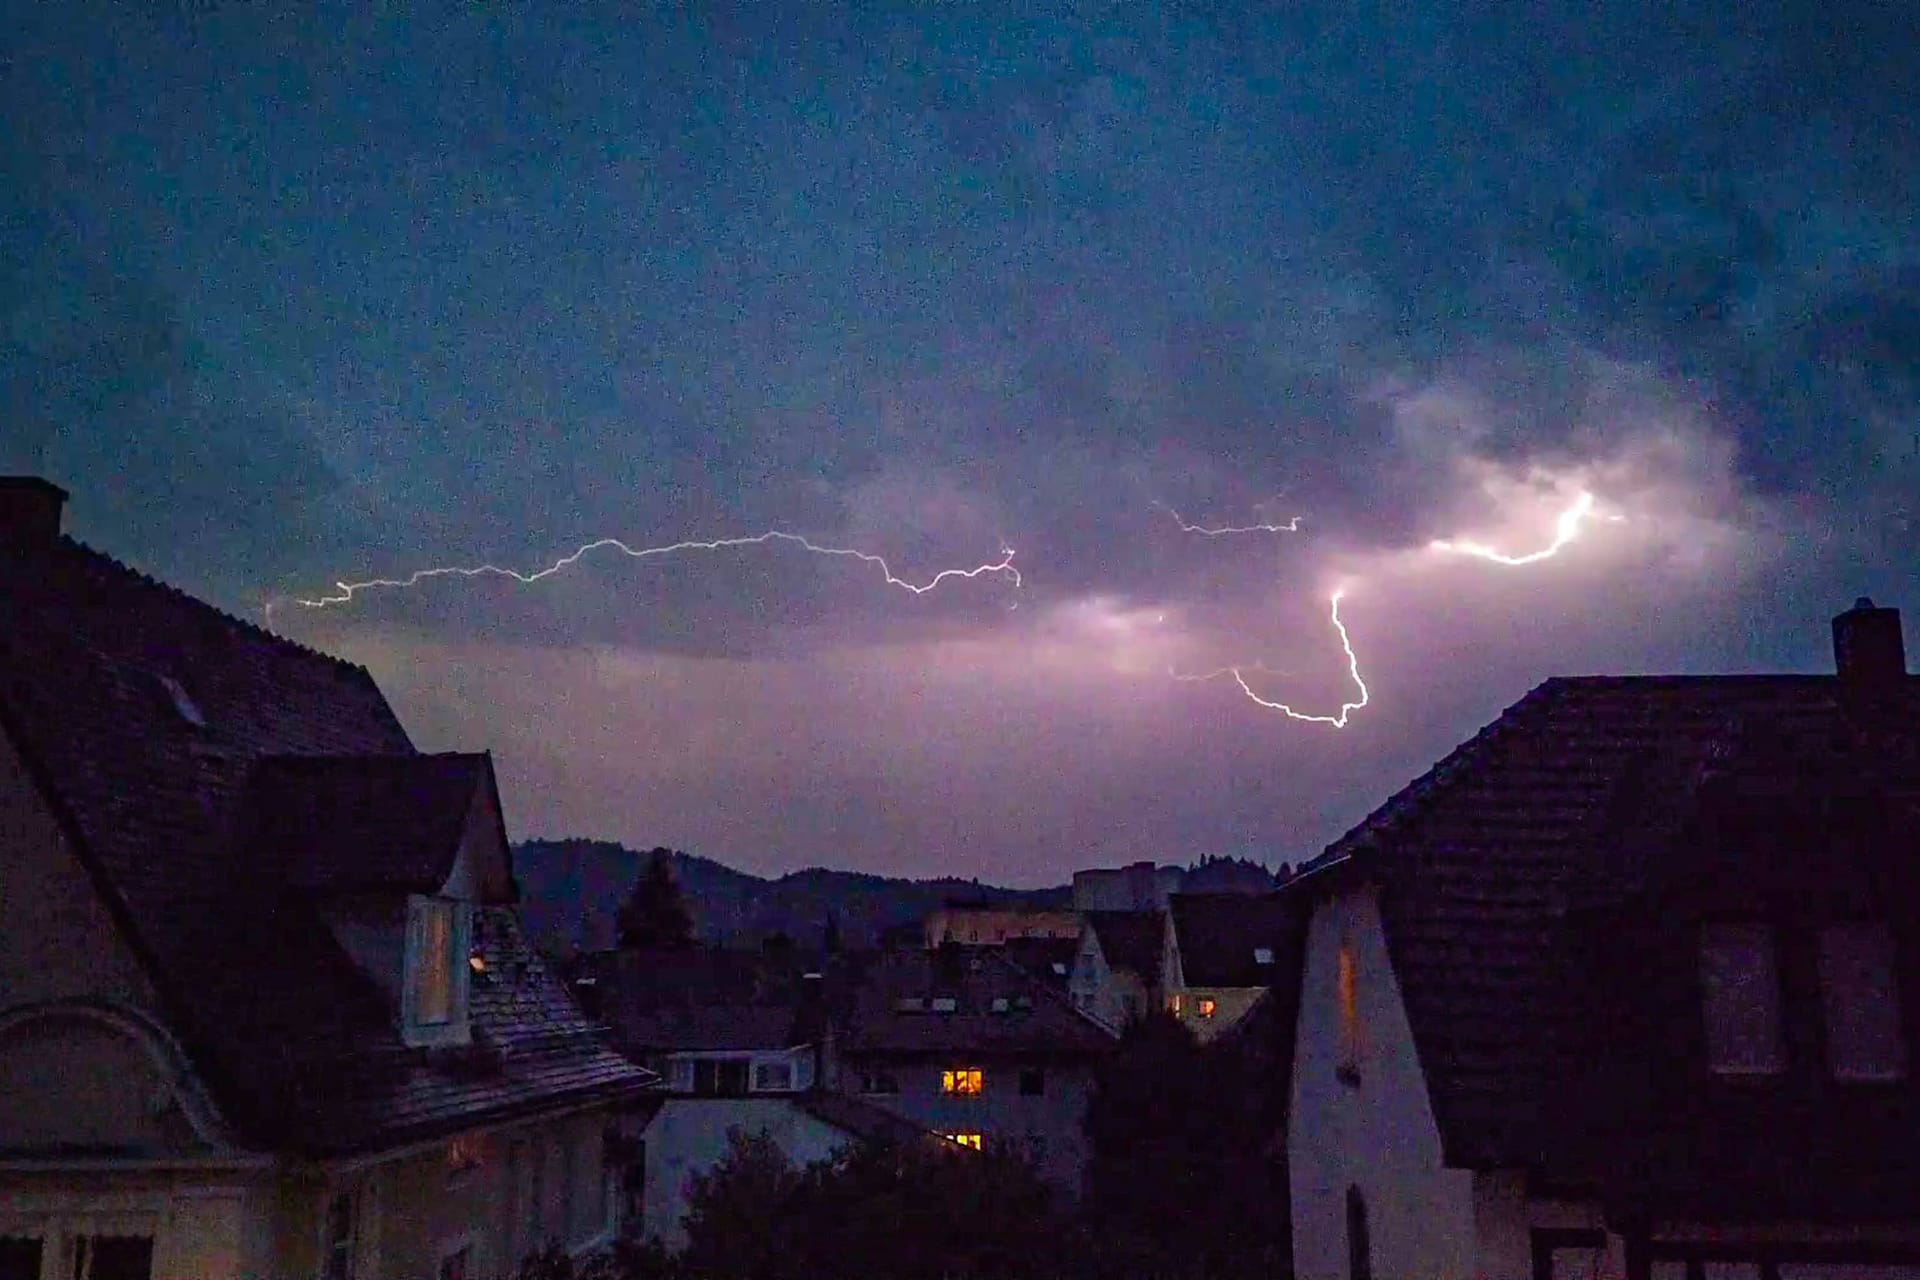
988, 924
964, 1043
1139, 886
1048, 959
1220, 952
1116, 975
1626, 987
266, 1008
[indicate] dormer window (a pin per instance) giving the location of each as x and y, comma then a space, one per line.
1861, 1001
1740, 999
434, 999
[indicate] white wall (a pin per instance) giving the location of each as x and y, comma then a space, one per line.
203, 1224
689, 1136
1380, 1135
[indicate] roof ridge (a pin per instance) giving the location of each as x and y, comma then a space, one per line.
252, 629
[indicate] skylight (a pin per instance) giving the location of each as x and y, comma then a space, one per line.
945, 1004
1263, 955
1059, 969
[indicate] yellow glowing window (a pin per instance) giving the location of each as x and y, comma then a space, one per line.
1349, 984
1207, 1007
1176, 1005
965, 1139
963, 1080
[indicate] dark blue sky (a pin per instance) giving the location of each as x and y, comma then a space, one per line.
291, 300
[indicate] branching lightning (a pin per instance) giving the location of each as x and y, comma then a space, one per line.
346, 591
1291, 526
1565, 530
1339, 720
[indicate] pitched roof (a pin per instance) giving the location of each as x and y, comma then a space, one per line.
702, 998
864, 1120
997, 1008
1222, 936
1478, 860
145, 717
1048, 959
1133, 940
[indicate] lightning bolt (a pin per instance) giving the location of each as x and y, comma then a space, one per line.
1338, 721
346, 591
1565, 530
1291, 526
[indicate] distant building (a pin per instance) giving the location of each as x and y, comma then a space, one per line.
1117, 972
1222, 953
989, 925
962, 1042
266, 1008
1142, 886
1626, 986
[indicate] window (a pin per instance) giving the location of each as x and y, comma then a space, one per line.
945, 1004
1033, 1082
336, 1246
1176, 1004
773, 1077
1359, 1238
963, 1080
965, 1139
1347, 986
435, 998
1740, 998
720, 1077
455, 1266
112, 1257
1861, 995
878, 1082
1263, 955
463, 1156
1207, 1006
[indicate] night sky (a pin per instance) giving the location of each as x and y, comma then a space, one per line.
292, 301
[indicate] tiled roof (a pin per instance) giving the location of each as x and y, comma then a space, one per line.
997, 1007
1221, 937
864, 1120
1133, 940
144, 716
1048, 959
701, 998
1479, 860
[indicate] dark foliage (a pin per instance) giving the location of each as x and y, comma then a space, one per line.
1186, 1178
655, 914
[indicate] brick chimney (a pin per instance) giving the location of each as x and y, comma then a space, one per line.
1868, 649
29, 513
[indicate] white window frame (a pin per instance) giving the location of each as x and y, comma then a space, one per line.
454, 1030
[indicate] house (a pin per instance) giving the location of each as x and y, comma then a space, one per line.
1220, 951
1626, 987
989, 924
1116, 975
1048, 959
1139, 886
266, 1008
961, 1041
736, 1035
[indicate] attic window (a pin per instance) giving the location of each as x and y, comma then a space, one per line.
434, 999
1740, 999
1263, 955
945, 1004
909, 1004
1059, 969
999, 1004
1208, 1006
188, 709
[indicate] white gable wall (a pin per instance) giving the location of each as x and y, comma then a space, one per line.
1379, 1136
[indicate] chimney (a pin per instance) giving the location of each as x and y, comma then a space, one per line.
1868, 650
29, 513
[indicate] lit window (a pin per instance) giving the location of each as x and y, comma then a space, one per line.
1176, 1004
434, 999
965, 1139
1207, 1006
964, 1080
1740, 999
1348, 982
463, 1154
1862, 999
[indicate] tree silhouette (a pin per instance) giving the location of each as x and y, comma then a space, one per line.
655, 914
